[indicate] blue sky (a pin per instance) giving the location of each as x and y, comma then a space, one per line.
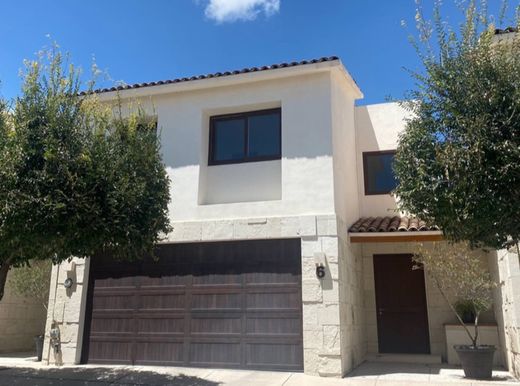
147, 40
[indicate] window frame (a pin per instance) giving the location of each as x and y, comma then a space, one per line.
244, 116
366, 154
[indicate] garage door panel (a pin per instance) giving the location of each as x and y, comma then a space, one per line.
221, 301
202, 276
150, 353
273, 301
113, 302
274, 355
161, 325
162, 302
225, 304
114, 282
106, 350
273, 326
216, 326
272, 278
112, 325
215, 354
162, 282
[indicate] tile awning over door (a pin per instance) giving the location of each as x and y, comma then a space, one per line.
393, 229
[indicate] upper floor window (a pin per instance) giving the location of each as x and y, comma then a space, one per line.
378, 171
245, 137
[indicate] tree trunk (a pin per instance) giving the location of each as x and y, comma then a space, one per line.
476, 330
4, 270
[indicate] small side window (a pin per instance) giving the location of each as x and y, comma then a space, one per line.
378, 172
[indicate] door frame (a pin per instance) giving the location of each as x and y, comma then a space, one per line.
424, 286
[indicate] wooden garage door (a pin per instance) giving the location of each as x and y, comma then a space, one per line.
225, 304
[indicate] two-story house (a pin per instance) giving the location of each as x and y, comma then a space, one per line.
287, 252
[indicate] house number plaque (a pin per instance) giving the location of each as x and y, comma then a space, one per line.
320, 261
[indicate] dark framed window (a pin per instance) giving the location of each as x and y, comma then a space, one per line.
245, 137
378, 172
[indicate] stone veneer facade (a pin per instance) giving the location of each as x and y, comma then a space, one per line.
505, 267
329, 350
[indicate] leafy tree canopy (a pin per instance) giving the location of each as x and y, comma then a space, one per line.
458, 161
76, 176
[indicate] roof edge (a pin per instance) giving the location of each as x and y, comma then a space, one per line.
229, 78
220, 79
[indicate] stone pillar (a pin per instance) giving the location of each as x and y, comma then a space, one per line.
321, 310
352, 307
66, 308
505, 267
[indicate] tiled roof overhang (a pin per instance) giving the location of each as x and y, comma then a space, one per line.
393, 229
505, 30
216, 75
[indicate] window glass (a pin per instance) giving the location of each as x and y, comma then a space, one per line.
264, 135
246, 137
229, 137
379, 174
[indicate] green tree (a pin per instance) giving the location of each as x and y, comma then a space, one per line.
32, 281
458, 160
460, 275
76, 177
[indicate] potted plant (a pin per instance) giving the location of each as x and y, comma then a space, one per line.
462, 279
32, 281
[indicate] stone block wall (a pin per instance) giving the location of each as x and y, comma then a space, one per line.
21, 319
505, 267
322, 338
66, 308
352, 315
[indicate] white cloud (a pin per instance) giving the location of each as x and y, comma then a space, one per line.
232, 10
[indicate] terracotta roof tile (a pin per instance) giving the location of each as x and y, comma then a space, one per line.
215, 75
391, 224
506, 30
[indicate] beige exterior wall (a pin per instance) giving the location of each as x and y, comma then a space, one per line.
21, 319
377, 128
439, 312
505, 268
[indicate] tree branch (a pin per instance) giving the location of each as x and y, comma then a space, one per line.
453, 309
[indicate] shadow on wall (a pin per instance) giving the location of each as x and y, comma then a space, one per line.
365, 128
99, 376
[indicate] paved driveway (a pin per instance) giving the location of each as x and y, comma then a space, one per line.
385, 374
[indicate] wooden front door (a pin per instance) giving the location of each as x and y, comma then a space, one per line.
224, 304
402, 317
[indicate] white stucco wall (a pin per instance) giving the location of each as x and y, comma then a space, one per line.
347, 210
301, 183
377, 128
